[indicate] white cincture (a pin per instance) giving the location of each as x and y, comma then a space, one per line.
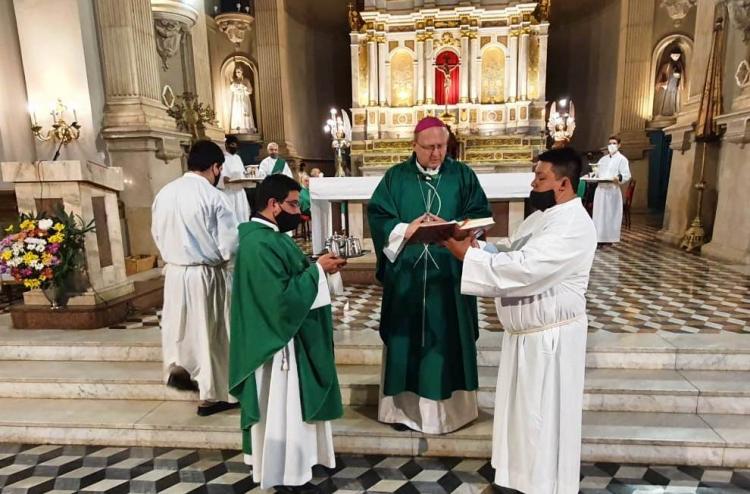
539, 329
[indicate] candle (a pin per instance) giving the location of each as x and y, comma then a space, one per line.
216, 9
75, 116
238, 7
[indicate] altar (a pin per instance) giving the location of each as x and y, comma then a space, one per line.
505, 191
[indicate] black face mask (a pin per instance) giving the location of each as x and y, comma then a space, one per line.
287, 221
542, 200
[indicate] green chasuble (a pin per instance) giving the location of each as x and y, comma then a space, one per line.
274, 287
278, 166
304, 200
431, 347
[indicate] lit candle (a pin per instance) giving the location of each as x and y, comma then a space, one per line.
247, 9
238, 7
216, 9
75, 115
32, 110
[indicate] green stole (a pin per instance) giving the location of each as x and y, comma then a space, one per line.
278, 166
274, 287
427, 325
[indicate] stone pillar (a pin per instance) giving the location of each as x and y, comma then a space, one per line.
139, 135
354, 51
382, 55
372, 63
634, 89
420, 69
542, 80
512, 67
202, 66
465, 63
680, 207
523, 66
429, 71
273, 85
476, 64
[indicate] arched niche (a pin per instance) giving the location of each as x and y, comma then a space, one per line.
447, 56
660, 70
492, 74
250, 71
402, 87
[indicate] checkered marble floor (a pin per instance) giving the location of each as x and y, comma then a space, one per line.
90, 469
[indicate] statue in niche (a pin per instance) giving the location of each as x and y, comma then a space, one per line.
241, 120
669, 84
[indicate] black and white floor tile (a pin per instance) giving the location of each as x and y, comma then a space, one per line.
88, 469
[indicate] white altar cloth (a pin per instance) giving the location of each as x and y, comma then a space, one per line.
508, 186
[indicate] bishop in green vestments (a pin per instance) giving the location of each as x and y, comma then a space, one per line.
281, 362
429, 330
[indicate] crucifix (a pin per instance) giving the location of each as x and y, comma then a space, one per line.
446, 68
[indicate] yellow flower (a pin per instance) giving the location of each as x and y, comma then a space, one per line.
27, 225
30, 257
9, 229
58, 227
42, 277
6, 255
33, 283
47, 258
56, 238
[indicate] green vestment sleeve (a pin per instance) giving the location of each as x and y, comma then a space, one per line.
383, 216
273, 289
278, 166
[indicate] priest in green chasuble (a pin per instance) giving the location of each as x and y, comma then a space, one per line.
281, 362
429, 329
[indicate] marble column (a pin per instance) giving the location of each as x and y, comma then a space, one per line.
372, 65
523, 66
382, 55
201, 66
420, 69
354, 51
429, 71
140, 137
512, 68
465, 63
476, 63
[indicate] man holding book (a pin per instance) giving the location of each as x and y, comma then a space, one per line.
428, 328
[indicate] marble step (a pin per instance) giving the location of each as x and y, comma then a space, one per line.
605, 389
724, 351
672, 438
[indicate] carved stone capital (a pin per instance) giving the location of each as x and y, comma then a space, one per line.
739, 12
677, 10
168, 39
235, 25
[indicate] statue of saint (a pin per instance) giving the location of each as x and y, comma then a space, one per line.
668, 85
241, 119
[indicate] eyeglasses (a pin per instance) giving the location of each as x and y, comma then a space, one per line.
294, 204
434, 147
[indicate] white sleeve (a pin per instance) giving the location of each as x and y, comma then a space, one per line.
262, 169
624, 169
396, 242
288, 171
323, 297
545, 260
226, 223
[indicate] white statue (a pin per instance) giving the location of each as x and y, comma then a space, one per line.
241, 119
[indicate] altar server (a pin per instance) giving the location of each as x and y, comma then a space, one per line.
539, 282
282, 366
196, 238
428, 328
234, 168
273, 163
608, 196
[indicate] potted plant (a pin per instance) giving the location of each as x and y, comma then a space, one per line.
43, 251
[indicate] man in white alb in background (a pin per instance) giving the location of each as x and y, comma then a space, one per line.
234, 168
607, 213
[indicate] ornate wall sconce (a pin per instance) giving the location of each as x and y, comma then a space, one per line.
61, 131
561, 123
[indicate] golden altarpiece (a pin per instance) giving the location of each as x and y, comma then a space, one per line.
482, 68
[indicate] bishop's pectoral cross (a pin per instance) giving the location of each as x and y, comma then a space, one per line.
446, 68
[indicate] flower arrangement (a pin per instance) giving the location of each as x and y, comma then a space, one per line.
42, 250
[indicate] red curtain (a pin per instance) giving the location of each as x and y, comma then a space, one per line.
446, 58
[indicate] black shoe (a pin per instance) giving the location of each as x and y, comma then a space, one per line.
307, 488
400, 427
180, 379
216, 407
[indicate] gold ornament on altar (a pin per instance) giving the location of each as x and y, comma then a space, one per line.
340, 129
191, 115
61, 131
355, 19
561, 123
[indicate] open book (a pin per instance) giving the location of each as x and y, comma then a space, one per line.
435, 232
